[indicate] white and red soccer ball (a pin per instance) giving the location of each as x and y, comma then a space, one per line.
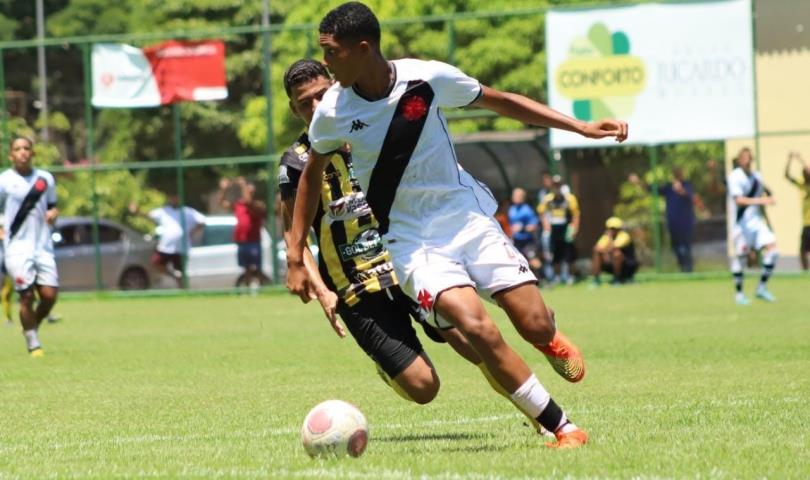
334, 428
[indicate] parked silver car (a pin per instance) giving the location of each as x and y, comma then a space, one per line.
212, 261
125, 255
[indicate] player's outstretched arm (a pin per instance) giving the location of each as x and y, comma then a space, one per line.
306, 205
327, 298
531, 112
792, 156
762, 201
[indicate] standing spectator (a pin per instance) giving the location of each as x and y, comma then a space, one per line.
547, 185
250, 214
523, 224
560, 215
614, 253
803, 183
543, 248
172, 249
680, 199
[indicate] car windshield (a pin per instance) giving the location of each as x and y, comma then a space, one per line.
217, 235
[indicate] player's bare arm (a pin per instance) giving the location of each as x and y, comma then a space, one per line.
791, 157
762, 201
298, 280
327, 298
51, 215
530, 112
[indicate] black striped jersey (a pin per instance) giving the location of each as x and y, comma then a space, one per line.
749, 185
352, 259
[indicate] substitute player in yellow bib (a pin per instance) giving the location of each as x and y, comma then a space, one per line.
614, 253
559, 213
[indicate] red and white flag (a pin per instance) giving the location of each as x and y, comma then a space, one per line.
125, 76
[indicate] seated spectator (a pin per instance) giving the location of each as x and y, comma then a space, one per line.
614, 253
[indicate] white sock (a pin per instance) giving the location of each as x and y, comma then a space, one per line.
31, 339
531, 397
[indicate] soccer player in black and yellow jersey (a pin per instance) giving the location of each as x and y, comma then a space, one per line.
355, 275
357, 280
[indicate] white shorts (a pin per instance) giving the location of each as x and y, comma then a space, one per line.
27, 269
480, 256
752, 234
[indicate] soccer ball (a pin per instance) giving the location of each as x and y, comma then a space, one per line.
334, 428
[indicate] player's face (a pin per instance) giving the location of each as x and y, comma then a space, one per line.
744, 160
305, 97
343, 58
21, 154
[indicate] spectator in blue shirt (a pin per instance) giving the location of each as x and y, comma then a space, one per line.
523, 222
679, 196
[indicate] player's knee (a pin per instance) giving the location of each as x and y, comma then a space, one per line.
539, 327
27, 297
422, 386
424, 393
482, 332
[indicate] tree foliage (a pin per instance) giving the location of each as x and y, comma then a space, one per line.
506, 52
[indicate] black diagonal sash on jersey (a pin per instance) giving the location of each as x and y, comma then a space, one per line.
29, 202
751, 192
397, 148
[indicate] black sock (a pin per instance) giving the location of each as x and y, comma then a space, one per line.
551, 418
767, 270
738, 281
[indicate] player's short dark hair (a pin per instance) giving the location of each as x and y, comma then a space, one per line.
303, 71
743, 150
18, 136
352, 20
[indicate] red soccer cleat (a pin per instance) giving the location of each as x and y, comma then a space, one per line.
574, 439
565, 358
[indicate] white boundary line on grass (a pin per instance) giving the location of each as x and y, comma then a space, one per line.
339, 471
273, 432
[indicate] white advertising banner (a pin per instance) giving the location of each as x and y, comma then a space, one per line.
675, 72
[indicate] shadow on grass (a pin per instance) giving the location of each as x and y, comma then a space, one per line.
481, 445
430, 437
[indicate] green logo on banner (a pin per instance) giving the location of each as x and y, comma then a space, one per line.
600, 75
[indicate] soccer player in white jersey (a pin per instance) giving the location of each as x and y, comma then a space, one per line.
747, 194
435, 218
30, 211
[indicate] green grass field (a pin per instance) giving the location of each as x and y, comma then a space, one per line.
681, 383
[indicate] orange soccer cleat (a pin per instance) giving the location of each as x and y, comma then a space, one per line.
565, 358
573, 439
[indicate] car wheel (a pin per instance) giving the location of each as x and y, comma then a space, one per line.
134, 279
